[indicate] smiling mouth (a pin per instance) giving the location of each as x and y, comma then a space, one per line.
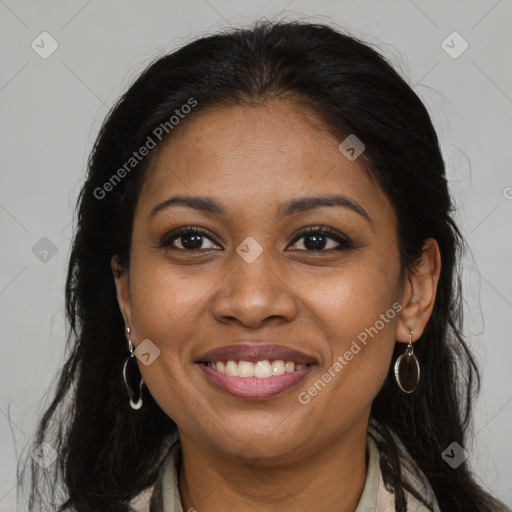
259, 380
259, 369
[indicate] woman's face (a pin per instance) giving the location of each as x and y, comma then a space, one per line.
252, 278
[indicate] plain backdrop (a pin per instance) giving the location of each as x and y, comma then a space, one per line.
52, 108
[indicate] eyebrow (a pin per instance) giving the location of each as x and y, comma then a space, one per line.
302, 204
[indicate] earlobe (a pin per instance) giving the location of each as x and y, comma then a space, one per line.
420, 293
122, 289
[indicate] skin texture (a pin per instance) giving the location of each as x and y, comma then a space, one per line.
274, 454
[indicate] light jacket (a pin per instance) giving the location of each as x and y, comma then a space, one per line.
164, 495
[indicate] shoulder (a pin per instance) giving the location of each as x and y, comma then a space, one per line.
151, 499
423, 499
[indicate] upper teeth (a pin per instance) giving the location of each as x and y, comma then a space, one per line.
261, 369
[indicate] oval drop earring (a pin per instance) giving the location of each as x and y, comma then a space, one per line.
407, 369
131, 374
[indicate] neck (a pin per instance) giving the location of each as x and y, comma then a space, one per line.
330, 479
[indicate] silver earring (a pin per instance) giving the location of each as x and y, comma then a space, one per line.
131, 375
407, 369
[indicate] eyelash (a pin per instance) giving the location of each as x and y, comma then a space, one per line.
344, 242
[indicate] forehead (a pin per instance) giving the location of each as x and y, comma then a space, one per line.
261, 155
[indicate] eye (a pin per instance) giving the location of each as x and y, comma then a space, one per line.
190, 239
316, 239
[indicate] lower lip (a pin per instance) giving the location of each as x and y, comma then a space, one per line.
254, 388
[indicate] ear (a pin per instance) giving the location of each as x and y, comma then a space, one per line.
419, 293
121, 278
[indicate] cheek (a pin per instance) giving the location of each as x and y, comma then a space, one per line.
352, 298
163, 303
359, 310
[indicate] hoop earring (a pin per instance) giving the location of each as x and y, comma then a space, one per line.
407, 369
131, 374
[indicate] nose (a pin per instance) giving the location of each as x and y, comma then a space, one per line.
254, 294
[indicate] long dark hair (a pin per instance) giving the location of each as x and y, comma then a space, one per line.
106, 452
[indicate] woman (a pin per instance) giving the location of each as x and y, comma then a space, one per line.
262, 292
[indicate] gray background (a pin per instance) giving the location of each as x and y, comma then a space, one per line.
51, 110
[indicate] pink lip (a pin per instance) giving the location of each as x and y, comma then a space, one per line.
254, 388
254, 352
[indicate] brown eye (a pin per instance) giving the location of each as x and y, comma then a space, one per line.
190, 238
317, 239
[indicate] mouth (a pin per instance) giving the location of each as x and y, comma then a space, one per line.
255, 371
